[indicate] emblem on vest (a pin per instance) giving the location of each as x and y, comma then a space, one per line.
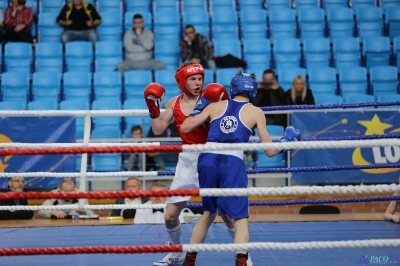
228, 124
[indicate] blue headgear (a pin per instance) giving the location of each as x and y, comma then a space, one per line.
246, 83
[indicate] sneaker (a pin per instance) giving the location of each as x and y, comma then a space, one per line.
241, 262
249, 262
173, 258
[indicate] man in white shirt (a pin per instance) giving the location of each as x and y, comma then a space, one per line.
154, 216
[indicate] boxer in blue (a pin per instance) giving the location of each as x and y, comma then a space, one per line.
231, 121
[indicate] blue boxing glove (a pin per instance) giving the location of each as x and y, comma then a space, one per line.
201, 104
291, 134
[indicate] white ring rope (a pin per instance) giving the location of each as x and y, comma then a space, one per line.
77, 207
292, 245
77, 175
341, 144
132, 112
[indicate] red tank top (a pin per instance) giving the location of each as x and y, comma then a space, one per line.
198, 135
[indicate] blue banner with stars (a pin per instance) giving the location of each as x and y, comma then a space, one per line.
37, 130
342, 124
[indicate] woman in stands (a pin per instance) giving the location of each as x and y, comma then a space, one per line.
391, 209
299, 94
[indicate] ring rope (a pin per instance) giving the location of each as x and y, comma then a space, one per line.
171, 173
201, 247
191, 205
209, 192
208, 147
328, 106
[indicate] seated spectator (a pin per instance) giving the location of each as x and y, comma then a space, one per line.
66, 185
79, 20
131, 184
135, 161
154, 216
299, 94
269, 93
195, 48
391, 209
15, 184
139, 45
18, 20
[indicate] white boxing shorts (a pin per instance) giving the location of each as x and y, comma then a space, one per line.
186, 175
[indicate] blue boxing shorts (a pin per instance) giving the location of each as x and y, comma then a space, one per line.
223, 171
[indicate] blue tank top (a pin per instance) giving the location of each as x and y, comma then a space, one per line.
228, 128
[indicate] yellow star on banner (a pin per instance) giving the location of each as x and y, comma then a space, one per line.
2, 167
375, 126
344, 121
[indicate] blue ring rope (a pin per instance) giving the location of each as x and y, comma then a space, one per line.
305, 169
309, 201
328, 106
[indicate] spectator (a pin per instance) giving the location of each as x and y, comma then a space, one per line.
154, 216
131, 184
139, 44
79, 20
195, 48
299, 94
391, 209
18, 19
269, 93
15, 184
135, 161
66, 185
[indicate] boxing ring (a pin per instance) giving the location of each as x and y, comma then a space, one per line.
283, 243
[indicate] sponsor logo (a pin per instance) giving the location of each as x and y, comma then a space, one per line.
194, 69
365, 259
228, 124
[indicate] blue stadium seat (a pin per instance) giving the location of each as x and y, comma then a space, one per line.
105, 122
135, 81
167, 27
224, 24
46, 86
108, 55
224, 76
15, 86
322, 80
104, 6
33, 5
396, 51
77, 85
199, 19
253, 23
3, 5
76, 104
346, 52
282, 23
257, 53
384, 79
165, 5
287, 53
48, 29
353, 80
340, 22
327, 98
250, 4
286, 76
110, 28
317, 52
393, 21
389, 97
106, 132
107, 85
49, 57
277, 4
18, 57
166, 77
329, 4
275, 161
355, 4
106, 162
134, 103
376, 51
42, 105
222, 5
311, 22
208, 77
137, 5
305, 4
78, 56
167, 52
385, 4
12, 105
193, 5
147, 19
143, 121
359, 98
51, 6
227, 46
369, 21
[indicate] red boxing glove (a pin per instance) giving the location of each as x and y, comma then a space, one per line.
215, 92
153, 94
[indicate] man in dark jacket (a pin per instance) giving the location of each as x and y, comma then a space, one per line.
15, 184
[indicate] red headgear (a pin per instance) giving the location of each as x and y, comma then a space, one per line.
186, 71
